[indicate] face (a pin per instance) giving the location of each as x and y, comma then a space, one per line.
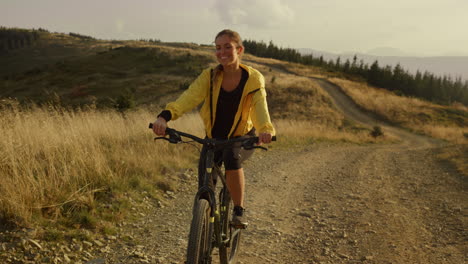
227, 51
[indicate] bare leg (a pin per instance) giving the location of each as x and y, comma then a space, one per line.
235, 184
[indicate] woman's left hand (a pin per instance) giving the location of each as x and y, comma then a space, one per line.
264, 138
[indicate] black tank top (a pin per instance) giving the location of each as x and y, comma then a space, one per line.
226, 108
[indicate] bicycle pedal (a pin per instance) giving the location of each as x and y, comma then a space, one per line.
239, 226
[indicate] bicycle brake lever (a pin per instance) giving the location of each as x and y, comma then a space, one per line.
165, 138
174, 137
171, 140
255, 147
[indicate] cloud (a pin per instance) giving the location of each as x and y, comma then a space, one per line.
255, 13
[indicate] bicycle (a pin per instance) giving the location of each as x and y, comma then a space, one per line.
211, 226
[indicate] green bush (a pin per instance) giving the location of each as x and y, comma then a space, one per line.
125, 101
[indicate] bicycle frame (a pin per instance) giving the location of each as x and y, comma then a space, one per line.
208, 193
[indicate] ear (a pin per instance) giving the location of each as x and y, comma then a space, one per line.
240, 49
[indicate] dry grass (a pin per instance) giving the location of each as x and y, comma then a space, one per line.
296, 97
419, 115
458, 155
287, 67
292, 132
55, 162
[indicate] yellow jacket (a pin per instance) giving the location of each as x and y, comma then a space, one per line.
252, 111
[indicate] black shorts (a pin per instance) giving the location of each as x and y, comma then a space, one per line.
231, 157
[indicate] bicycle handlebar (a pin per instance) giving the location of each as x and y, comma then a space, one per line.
175, 136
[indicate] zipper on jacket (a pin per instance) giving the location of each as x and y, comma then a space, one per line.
240, 118
211, 97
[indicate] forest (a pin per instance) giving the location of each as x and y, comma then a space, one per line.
16, 38
425, 85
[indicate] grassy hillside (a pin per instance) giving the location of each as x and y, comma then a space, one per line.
47, 49
78, 167
83, 72
445, 122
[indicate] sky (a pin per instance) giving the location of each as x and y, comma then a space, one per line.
396, 27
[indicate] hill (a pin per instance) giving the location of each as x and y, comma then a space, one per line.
83, 71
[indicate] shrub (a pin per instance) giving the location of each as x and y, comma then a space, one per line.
125, 101
184, 85
377, 132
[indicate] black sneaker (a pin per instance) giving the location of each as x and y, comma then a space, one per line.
238, 218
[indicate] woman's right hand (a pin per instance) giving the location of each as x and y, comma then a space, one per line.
159, 126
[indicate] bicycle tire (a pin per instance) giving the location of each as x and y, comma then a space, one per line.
199, 244
228, 252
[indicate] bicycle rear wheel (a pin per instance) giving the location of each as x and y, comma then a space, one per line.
228, 250
199, 244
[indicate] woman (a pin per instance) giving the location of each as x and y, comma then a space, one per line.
234, 105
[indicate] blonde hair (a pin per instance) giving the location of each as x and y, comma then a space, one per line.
234, 36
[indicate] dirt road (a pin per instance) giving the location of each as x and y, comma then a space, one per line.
329, 203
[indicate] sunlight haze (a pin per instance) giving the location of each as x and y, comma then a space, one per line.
403, 28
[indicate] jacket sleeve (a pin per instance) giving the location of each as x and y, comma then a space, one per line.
191, 97
260, 115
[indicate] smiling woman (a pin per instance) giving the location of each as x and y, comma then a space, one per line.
228, 51
235, 105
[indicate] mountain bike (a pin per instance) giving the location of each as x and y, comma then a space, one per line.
211, 226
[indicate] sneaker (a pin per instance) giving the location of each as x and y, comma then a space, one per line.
238, 218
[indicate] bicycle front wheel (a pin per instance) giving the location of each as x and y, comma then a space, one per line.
228, 250
199, 243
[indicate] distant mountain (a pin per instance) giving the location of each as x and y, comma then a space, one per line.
454, 66
386, 51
